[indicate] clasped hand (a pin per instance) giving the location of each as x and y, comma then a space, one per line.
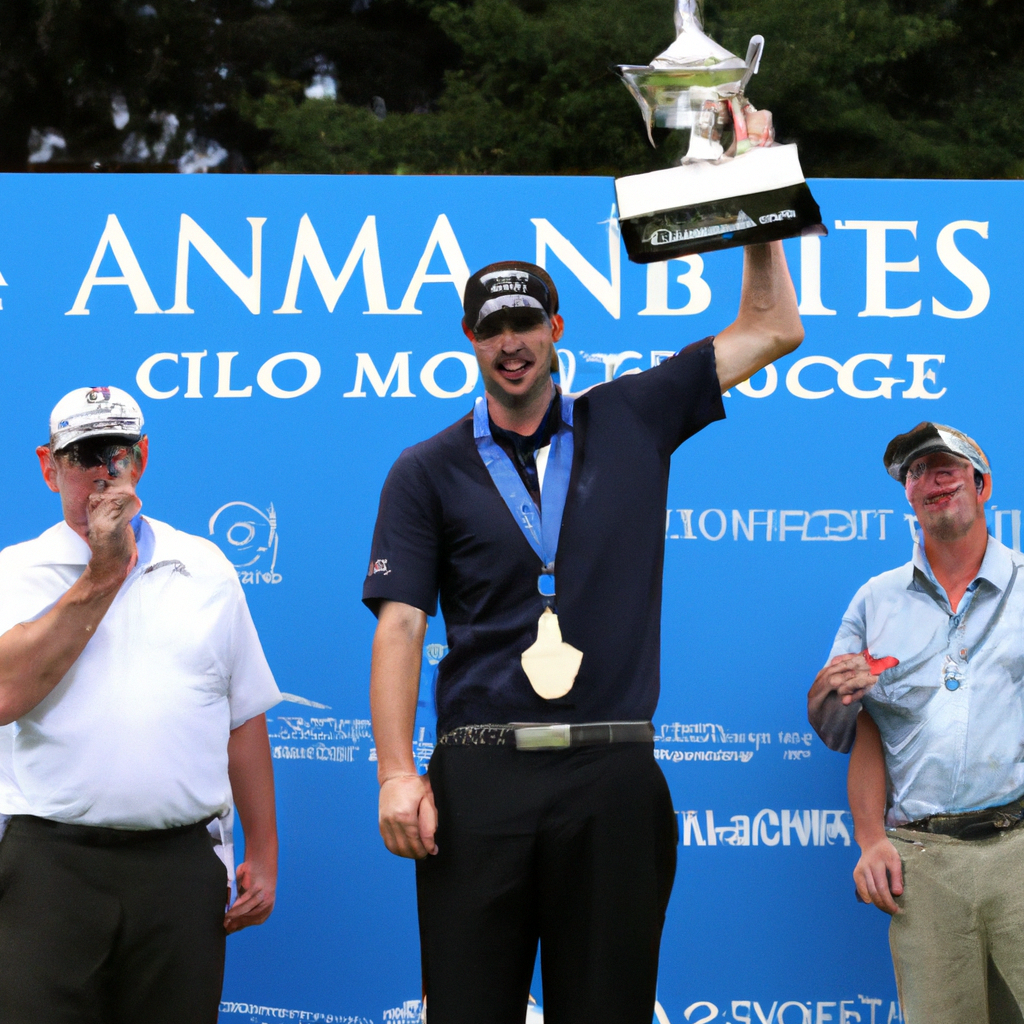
408, 816
850, 676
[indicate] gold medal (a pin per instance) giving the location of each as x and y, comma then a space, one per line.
549, 663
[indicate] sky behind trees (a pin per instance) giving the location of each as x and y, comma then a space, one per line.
877, 88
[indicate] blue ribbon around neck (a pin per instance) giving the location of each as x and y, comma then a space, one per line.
540, 530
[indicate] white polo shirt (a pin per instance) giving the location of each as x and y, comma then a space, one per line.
136, 734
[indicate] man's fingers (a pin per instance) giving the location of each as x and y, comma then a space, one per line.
252, 905
896, 875
234, 920
852, 682
879, 876
403, 839
246, 902
878, 888
873, 887
863, 892
427, 823
760, 126
840, 658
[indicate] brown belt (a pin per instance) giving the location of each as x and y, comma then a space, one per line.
983, 824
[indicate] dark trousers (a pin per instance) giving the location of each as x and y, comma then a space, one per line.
100, 930
575, 848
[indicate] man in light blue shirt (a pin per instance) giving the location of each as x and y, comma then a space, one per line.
926, 683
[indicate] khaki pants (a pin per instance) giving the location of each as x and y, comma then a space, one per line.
958, 946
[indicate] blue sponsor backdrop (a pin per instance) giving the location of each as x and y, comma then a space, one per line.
288, 336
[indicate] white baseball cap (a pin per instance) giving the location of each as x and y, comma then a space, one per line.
93, 412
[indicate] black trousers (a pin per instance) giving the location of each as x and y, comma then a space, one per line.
109, 932
575, 848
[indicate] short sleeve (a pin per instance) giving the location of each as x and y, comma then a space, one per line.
850, 639
406, 540
833, 721
251, 686
27, 593
675, 399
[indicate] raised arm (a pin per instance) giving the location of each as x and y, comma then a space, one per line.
35, 656
879, 873
768, 325
408, 818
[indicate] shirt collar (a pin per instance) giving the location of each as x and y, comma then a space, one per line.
996, 566
62, 546
540, 437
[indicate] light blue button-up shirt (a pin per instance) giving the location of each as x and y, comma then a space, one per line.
951, 714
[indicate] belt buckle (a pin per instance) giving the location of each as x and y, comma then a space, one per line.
542, 737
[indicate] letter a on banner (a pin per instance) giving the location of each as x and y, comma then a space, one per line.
458, 272
131, 273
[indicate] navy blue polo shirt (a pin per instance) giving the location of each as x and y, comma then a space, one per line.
444, 531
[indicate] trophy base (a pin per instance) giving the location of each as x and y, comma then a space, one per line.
702, 206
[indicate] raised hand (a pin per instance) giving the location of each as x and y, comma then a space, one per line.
110, 512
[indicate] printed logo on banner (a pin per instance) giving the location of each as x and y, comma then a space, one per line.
757, 525
315, 737
676, 742
804, 378
249, 538
434, 653
260, 1014
308, 251
414, 1011
311, 737
813, 827
852, 1010
811, 377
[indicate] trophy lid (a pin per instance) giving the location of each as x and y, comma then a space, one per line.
693, 48
694, 60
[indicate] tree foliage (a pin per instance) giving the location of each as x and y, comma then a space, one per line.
919, 88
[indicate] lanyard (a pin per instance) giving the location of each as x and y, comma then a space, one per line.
540, 530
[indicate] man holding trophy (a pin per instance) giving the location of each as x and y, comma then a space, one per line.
539, 521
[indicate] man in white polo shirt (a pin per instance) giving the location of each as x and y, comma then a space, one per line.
132, 696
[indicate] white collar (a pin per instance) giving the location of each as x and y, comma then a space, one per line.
60, 545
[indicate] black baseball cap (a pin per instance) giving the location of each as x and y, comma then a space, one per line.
512, 284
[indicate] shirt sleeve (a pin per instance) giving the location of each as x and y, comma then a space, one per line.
406, 540
675, 399
833, 721
27, 593
251, 687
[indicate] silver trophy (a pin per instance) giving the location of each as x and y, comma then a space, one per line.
726, 191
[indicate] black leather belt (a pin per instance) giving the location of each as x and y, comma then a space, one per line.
99, 835
981, 824
547, 736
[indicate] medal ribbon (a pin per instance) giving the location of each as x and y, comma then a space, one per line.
540, 530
